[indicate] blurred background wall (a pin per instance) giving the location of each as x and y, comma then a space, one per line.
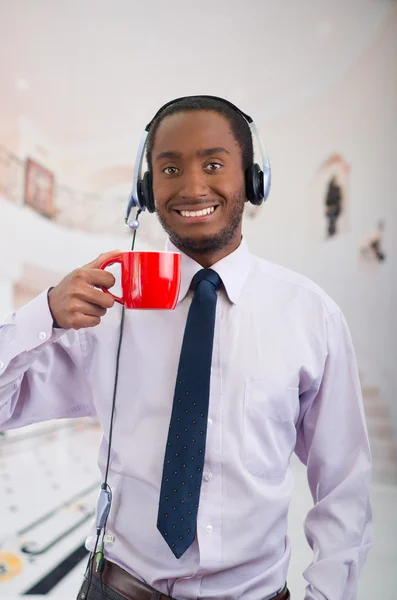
79, 81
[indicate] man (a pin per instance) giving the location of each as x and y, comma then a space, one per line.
283, 378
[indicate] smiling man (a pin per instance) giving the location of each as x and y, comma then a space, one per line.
255, 363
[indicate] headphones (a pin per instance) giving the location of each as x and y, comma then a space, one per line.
257, 178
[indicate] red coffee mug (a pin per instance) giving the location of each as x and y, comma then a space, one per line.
149, 280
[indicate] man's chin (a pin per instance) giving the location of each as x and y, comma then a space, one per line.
197, 242
204, 244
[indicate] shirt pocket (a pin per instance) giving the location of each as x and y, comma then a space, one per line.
269, 428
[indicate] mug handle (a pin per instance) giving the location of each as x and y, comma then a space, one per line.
107, 263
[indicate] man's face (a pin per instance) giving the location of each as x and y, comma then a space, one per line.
198, 182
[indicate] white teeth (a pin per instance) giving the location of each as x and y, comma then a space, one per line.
197, 213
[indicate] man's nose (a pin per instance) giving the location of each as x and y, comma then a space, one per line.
194, 185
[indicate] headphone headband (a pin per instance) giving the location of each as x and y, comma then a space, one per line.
258, 179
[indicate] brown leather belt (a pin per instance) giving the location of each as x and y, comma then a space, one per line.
125, 584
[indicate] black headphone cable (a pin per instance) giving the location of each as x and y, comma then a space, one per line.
106, 492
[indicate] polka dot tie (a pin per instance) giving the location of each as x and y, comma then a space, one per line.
185, 450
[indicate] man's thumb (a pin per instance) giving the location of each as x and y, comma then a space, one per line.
95, 264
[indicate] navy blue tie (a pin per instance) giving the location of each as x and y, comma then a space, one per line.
185, 450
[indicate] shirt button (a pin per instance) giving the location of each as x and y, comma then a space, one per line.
208, 476
209, 529
1, 364
209, 421
43, 336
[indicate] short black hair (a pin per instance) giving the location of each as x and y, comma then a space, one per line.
239, 126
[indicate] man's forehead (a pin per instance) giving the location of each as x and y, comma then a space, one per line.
211, 127
205, 122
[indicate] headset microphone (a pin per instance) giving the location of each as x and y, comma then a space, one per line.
134, 224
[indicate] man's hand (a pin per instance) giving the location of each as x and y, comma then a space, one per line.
75, 302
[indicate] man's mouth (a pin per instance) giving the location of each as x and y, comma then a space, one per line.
196, 214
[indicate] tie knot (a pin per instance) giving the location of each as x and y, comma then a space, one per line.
206, 275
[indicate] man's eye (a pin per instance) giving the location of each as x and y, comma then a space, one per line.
170, 170
213, 166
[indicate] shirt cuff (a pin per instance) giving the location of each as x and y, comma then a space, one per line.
35, 323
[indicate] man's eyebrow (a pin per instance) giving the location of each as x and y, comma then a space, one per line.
210, 151
206, 152
169, 154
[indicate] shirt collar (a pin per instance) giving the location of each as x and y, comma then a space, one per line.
233, 270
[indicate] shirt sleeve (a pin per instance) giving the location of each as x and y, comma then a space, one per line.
333, 444
42, 372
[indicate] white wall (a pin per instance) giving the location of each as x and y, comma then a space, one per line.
358, 120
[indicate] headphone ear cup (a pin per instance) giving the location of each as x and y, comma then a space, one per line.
146, 193
254, 184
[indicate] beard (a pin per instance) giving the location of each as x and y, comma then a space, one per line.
210, 243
